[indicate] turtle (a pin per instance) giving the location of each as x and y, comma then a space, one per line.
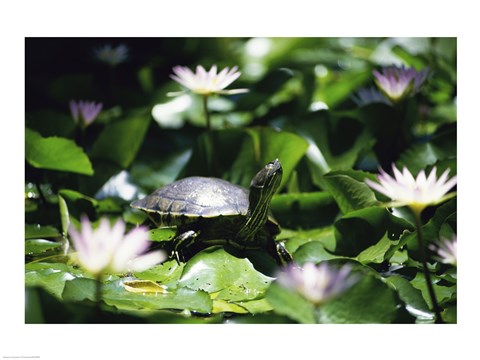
209, 211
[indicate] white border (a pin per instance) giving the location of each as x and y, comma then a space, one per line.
241, 18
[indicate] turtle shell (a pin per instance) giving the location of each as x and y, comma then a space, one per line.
188, 199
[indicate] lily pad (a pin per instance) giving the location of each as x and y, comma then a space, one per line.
216, 271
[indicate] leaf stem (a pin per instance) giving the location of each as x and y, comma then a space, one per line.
207, 114
428, 279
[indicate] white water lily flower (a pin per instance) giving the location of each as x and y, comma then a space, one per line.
446, 250
108, 249
318, 284
207, 83
417, 193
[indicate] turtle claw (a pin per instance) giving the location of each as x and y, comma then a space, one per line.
181, 242
283, 254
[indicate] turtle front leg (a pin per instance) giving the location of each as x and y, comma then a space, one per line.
283, 255
279, 252
182, 242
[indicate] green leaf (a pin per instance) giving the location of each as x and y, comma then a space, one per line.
349, 189
64, 214
342, 85
115, 294
412, 297
38, 231
377, 253
162, 234
262, 90
76, 205
291, 304
338, 141
230, 278
442, 146
360, 229
444, 294
431, 230
255, 148
368, 301
55, 153
37, 246
313, 251
296, 238
264, 145
51, 277
120, 141
304, 210
167, 273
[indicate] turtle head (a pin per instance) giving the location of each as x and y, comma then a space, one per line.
268, 179
262, 188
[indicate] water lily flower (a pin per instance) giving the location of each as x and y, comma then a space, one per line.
84, 112
207, 83
318, 284
397, 83
111, 55
416, 193
446, 250
108, 249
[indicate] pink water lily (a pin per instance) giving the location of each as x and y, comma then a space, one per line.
205, 82
107, 249
318, 284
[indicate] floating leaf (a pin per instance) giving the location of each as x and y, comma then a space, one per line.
216, 271
36, 246
368, 301
291, 304
38, 231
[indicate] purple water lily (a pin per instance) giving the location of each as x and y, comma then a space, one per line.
399, 82
85, 112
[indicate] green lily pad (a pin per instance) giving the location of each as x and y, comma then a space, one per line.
370, 301
37, 246
216, 271
291, 304
115, 294
38, 231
